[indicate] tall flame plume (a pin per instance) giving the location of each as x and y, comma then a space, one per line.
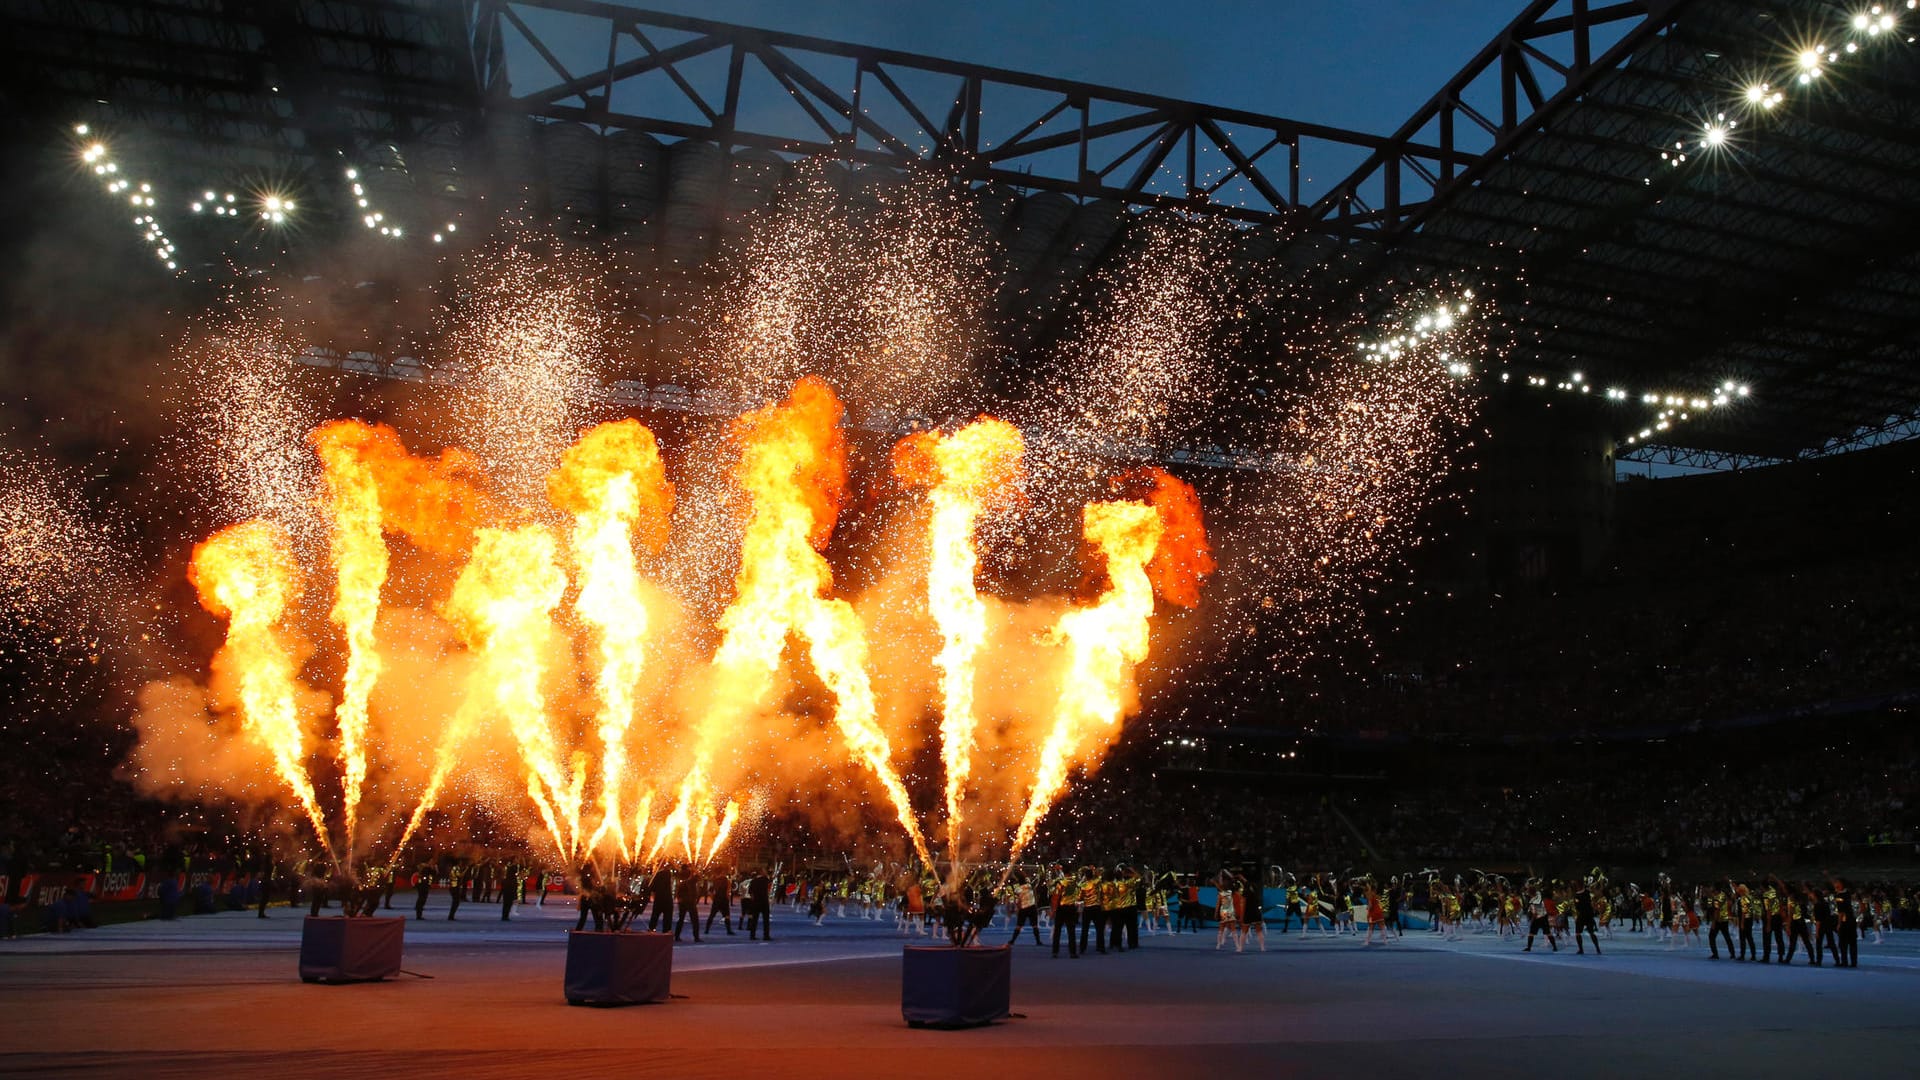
967, 474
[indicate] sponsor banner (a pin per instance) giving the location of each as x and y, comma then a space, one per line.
117, 887
216, 881
46, 888
155, 882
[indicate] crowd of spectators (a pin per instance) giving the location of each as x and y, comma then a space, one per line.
1767, 793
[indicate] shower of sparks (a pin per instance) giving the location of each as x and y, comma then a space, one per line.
247, 411
577, 605
529, 327
55, 556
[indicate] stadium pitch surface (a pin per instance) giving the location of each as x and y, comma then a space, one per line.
218, 995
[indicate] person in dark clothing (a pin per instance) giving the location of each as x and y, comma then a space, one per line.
758, 911
1093, 912
590, 901
721, 902
266, 885
1825, 921
1066, 913
454, 887
1798, 910
169, 897
1719, 922
422, 886
980, 910
509, 891
389, 877
321, 888
1136, 899
1538, 919
661, 886
1773, 928
1845, 925
1584, 921
688, 895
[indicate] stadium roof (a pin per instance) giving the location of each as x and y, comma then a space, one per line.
1671, 196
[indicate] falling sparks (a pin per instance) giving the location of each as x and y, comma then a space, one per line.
516, 619
248, 412
51, 549
530, 327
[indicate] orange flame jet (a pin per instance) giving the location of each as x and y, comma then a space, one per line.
967, 474
247, 575
613, 483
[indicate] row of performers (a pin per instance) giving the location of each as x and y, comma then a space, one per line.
1816, 919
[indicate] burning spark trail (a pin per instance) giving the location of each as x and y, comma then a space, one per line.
1159, 541
642, 817
708, 671
503, 605
613, 483
247, 575
50, 551
360, 566
727, 820
967, 473
793, 467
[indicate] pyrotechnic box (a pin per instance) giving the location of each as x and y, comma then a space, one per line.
618, 968
336, 949
949, 987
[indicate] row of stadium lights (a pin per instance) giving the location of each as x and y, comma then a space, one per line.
1429, 325
1673, 408
374, 218
1877, 23
139, 196
271, 208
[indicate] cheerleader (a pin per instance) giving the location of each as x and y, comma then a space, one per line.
1156, 908
1539, 910
1227, 910
1376, 917
1315, 909
1436, 906
916, 905
1252, 912
1509, 912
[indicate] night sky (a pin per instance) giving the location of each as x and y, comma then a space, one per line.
1361, 64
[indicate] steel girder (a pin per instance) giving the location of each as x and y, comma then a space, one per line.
884, 107
1537, 67
1688, 458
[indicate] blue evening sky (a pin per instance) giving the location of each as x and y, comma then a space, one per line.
1361, 64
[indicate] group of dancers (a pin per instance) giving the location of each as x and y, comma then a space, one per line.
1098, 910
1774, 919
